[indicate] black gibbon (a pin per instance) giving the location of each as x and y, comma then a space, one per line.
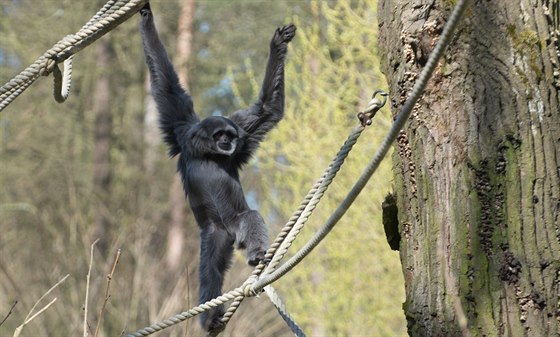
211, 152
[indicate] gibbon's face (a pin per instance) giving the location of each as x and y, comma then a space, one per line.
225, 140
223, 133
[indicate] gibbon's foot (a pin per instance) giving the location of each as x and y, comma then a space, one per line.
146, 10
254, 258
213, 321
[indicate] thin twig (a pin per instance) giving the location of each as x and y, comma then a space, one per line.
107, 295
39, 312
20, 328
87, 287
44, 295
30, 316
9, 313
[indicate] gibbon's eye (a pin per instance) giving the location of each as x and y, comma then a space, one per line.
222, 136
218, 134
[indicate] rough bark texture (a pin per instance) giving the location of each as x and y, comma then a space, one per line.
477, 168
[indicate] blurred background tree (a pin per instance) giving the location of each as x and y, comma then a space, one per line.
95, 167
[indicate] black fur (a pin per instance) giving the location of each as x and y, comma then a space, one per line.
211, 152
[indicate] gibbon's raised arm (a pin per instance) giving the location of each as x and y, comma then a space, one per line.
176, 113
263, 116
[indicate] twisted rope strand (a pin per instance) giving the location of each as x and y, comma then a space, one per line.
63, 82
300, 217
173, 320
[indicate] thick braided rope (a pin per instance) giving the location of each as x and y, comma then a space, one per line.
108, 8
294, 225
63, 82
110, 16
401, 119
299, 219
187, 314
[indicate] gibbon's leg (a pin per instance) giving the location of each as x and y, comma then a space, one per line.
252, 235
216, 249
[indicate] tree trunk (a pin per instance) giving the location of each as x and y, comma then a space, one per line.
176, 233
102, 146
477, 168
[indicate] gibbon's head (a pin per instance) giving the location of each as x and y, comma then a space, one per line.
214, 136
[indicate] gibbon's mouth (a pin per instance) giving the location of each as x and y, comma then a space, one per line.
226, 149
225, 146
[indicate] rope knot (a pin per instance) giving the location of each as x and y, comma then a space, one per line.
373, 106
48, 66
247, 287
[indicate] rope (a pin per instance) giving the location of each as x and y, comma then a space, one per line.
62, 83
284, 239
300, 217
187, 314
112, 14
281, 308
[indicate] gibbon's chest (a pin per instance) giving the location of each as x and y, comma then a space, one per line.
206, 177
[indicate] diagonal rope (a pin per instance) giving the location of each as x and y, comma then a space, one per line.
281, 308
401, 119
112, 14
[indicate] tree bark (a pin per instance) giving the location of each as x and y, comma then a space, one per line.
477, 168
102, 146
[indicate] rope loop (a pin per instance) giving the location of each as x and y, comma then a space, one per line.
62, 82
